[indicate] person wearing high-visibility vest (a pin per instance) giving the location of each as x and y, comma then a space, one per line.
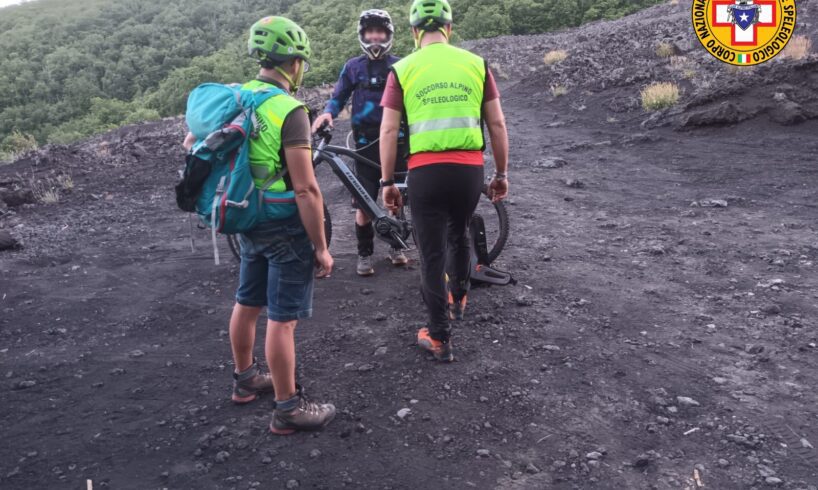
448, 96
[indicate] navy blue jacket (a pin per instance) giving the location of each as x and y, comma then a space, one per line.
364, 80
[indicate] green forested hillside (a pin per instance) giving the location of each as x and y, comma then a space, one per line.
69, 68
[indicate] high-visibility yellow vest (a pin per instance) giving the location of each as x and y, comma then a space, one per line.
443, 98
265, 151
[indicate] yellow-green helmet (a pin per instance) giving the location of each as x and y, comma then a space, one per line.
430, 14
278, 39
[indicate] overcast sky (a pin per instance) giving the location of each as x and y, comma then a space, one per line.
6, 3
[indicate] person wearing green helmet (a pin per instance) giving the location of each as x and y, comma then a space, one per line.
448, 96
279, 257
280, 45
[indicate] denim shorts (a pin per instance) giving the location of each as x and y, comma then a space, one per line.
277, 270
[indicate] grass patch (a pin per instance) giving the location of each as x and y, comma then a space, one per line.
660, 96
679, 63
665, 50
15, 145
66, 182
798, 48
51, 196
558, 90
555, 56
46, 191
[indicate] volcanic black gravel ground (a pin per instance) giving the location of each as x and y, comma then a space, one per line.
662, 333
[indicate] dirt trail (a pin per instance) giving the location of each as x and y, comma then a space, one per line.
654, 333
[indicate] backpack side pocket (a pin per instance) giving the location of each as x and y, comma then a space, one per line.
188, 190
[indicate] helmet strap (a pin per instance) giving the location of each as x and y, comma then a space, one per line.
419, 37
299, 78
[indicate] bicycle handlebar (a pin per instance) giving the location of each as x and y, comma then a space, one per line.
323, 133
324, 136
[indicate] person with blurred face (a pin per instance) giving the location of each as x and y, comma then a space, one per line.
363, 78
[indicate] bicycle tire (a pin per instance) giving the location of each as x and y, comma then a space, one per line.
502, 239
235, 248
233, 243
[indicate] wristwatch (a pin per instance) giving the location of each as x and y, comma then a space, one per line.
500, 176
387, 183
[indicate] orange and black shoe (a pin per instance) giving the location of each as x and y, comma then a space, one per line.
457, 308
441, 350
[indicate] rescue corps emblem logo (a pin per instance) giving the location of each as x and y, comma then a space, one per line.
744, 32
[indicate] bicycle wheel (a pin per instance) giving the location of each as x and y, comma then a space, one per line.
235, 248
495, 216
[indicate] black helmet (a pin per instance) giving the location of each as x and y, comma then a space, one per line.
376, 18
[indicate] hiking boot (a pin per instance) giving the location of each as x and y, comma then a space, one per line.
441, 350
457, 309
397, 257
248, 384
299, 414
365, 267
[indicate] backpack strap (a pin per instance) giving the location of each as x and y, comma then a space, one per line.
267, 183
261, 97
275, 178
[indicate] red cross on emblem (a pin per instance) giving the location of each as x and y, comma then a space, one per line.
767, 17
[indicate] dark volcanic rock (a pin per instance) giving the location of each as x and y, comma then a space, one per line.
15, 198
789, 113
8, 242
724, 114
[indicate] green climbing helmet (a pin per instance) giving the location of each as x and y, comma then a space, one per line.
278, 39
430, 13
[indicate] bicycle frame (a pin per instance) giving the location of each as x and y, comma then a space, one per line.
388, 228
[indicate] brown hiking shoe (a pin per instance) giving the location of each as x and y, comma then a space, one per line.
248, 384
303, 416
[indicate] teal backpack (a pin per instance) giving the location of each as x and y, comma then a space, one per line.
217, 183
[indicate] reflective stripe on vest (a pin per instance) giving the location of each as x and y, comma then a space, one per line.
265, 151
440, 124
443, 98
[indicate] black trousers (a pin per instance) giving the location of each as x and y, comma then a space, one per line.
442, 199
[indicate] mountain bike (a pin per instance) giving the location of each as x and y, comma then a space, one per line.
490, 226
